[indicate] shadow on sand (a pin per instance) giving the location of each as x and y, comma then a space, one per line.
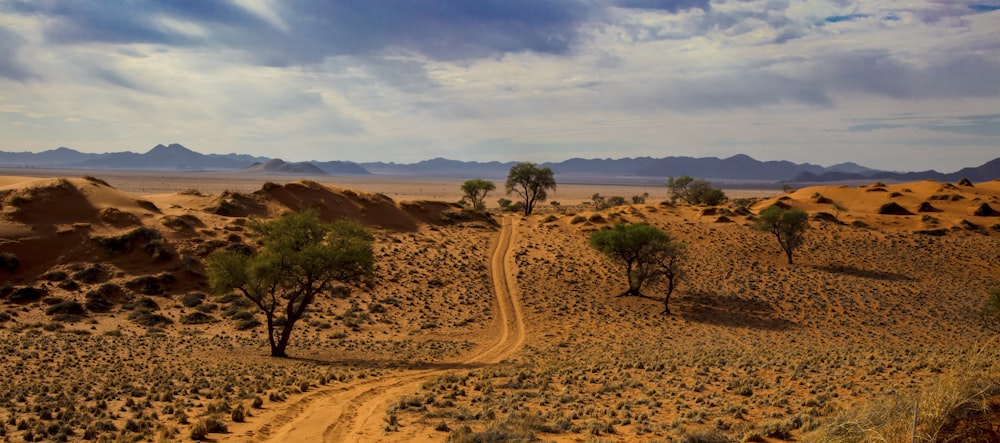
863, 273
727, 310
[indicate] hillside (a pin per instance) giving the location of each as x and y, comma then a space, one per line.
877, 305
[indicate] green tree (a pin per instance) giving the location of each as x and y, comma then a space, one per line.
645, 253
694, 191
787, 225
701, 191
678, 188
299, 258
475, 191
530, 182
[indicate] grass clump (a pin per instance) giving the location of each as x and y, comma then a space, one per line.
954, 408
148, 318
143, 238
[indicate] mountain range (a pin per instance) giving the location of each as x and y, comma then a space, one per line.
735, 169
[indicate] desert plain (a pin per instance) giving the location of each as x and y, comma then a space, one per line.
498, 326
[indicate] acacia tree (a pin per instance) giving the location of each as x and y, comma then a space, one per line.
694, 191
475, 191
645, 253
787, 225
299, 258
530, 182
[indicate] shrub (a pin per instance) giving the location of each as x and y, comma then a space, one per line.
26, 294
192, 299
243, 325
9, 262
146, 284
239, 414
197, 318
145, 317
91, 274
72, 307
144, 238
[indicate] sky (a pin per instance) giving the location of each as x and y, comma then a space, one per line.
897, 85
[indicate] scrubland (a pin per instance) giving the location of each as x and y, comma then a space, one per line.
109, 332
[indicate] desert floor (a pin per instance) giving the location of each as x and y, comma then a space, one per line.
483, 327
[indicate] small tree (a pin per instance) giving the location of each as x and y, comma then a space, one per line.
694, 191
645, 253
475, 192
701, 191
787, 225
678, 188
530, 182
990, 313
299, 259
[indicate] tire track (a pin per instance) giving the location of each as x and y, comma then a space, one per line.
355, 413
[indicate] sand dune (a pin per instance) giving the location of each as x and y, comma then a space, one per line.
877, 304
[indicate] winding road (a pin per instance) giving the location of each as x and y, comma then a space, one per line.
356, 413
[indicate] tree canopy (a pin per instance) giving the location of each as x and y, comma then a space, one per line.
530, 182
298, 259
644, 252
475, 191
787, 225
694, 191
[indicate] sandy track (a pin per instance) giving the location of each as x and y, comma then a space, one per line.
356, 413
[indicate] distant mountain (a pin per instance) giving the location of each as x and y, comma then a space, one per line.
279, 166
440, 167
985, 172
338, 167
170, 157
738, 167
735, 169
51, 158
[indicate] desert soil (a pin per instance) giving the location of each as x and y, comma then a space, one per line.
501, 323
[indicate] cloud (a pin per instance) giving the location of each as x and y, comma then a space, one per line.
879, 73
11, 64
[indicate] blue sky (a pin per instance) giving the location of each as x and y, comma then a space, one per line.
903, 85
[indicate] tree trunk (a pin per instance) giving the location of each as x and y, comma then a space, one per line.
270, 334
633, 291
666, 299
788, 252
286, 334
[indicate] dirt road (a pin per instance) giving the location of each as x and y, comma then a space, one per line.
356, 413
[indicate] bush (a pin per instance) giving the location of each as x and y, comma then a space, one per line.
90, 275
26, 294
72, 307
9, 262
145, 317
192, 299
147, 284
144, 238
243, 325
197, 318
